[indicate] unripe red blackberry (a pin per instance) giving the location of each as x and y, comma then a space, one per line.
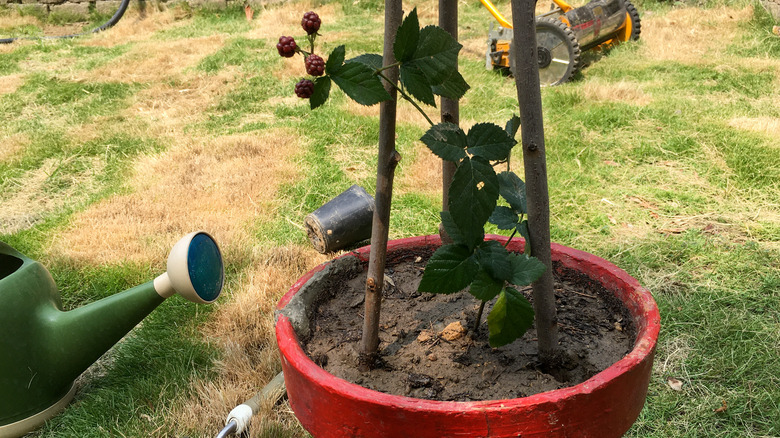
286, 46
315, 65
304, 88
311, 22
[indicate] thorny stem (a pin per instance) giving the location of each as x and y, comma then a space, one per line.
479, 316
405, 96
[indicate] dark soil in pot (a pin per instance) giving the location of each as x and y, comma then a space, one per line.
429, 351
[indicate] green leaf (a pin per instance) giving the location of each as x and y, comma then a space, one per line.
436, 55
511, 317
335, 60
513, 190
321, 92
372, 60
493, 258
489, 141
512, 125
451, 228
450, 269
472, 197
417, 84
453, 87
484, 287
504, 218
358, 81
525, 269
406, 37
522, 228
447, 141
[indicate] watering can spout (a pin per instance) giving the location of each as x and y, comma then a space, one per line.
44, 349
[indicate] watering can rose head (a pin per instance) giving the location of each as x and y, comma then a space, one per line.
427, 62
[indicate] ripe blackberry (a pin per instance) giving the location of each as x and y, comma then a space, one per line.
311, 22
286, 46
315, 65
304, 88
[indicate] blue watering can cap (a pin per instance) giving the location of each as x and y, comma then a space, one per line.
195, 269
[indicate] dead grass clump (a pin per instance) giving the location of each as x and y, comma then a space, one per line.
29, 199
220, 186
243, 327
135, 26
15, 19
683, 35
766, 125
623, 91
422, 173
169, 108
285, 19
12, 145
157, 61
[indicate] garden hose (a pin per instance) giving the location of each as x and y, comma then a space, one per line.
108, 24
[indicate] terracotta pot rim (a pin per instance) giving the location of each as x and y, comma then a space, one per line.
646, 338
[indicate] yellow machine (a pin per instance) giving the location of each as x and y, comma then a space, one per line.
563, 33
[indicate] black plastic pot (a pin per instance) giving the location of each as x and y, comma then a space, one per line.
342, 221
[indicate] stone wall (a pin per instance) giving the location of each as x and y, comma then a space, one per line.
82, 8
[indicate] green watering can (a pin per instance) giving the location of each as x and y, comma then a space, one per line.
44, 349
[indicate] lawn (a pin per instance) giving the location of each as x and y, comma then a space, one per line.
663, 157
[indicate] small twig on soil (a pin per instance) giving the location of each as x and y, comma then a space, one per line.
583, 294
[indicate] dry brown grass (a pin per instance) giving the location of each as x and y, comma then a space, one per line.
765, 125
136, 26
608, 91
243, 326
220, 185
690, 34
157, 61
285, 19
11, 145
27, 201
422, 173
14, 19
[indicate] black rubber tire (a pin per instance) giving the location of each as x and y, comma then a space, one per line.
554, 37
636, 23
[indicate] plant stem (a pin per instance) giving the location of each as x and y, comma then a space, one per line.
404, 95
479, 317
450, 109
387, 67
526, 70
510, 237
387, 161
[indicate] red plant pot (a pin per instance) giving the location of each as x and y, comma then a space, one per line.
604, 406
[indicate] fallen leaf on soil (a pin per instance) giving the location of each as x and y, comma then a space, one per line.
611, 163
611, 219
249, 12
453, 331
674, 383
722, 408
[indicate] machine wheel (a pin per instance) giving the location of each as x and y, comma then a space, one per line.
558, 51
636, 23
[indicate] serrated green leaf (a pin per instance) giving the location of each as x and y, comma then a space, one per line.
372, 60
513, 190
321, 92
525, 269
358, 81
417, 84
451, 228
447, 141
512, 125
436, 55
453, 87
450, 269
493, 258
522, 228
504, 218
484, 287
472, 197
335, 60
511, 317
407, 37
489, 141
